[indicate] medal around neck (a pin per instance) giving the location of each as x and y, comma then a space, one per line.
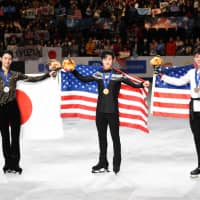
5, 79
6, 89
197, 81
106, 82
106, 91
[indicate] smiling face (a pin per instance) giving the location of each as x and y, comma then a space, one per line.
107, 62
6, 61
197, 60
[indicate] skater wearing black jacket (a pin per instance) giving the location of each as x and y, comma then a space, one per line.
107, 113
9, 112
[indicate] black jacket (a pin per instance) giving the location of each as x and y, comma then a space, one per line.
107, 103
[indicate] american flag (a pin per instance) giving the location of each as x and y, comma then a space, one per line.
78, 99
169, 100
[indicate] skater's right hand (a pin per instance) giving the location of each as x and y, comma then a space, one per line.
157, 71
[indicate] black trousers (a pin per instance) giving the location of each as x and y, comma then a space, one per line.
10, 132
103, 120
195, 127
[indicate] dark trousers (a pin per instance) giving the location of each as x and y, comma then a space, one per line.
195, 127
10, 132
103, 120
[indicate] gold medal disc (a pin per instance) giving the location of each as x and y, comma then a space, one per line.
106, 91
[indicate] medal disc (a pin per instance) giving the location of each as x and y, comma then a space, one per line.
6, 89
106, 91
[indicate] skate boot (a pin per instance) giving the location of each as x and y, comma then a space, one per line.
7, 168
116, 169
116, 166
100, 168
16, 170
195, 173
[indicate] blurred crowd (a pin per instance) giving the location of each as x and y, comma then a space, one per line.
122, 30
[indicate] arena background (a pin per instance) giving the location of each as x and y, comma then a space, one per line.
155, 166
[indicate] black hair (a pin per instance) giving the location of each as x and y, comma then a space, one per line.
104, 54
7, 52
196, 51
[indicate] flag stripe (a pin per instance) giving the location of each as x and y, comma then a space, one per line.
171, 110
168, 100
169, 95
77, 115
135, 108
176, 115
68, 106
170, 105
78, 97
136, 126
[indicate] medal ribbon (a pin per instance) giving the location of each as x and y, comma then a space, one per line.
5, 78
197, 78
107, 81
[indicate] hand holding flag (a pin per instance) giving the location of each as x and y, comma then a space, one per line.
67, 64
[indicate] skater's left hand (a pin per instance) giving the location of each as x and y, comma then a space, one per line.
52, 73
146, 84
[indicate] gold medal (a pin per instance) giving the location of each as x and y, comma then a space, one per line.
197, 89
106, 91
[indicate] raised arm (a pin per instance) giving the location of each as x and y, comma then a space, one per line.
83, 78
127, 81
27, 78
177, 81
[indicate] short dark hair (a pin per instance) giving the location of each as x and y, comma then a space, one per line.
7, 52
104, 54
196, 51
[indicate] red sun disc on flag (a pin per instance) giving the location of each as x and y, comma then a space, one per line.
25, 105
52, 54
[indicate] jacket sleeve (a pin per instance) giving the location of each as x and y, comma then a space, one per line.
127, 81
83, 78
177, 81
27, 78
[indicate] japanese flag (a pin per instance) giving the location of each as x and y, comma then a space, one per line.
39, 107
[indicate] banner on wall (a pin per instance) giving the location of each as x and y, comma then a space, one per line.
136, 66
42, 35
32, 13
169, 22
144, 11
40, 65
29, 52
52, 53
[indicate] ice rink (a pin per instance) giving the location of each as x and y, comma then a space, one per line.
154, 166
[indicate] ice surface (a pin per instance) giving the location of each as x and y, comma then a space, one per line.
154, 166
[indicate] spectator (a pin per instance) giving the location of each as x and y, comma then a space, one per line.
153, 47
90, 47
179, 46
171, 47
160, 50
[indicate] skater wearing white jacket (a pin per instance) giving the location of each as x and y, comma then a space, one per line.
192, 77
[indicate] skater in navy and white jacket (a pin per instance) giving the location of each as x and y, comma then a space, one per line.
192, 77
